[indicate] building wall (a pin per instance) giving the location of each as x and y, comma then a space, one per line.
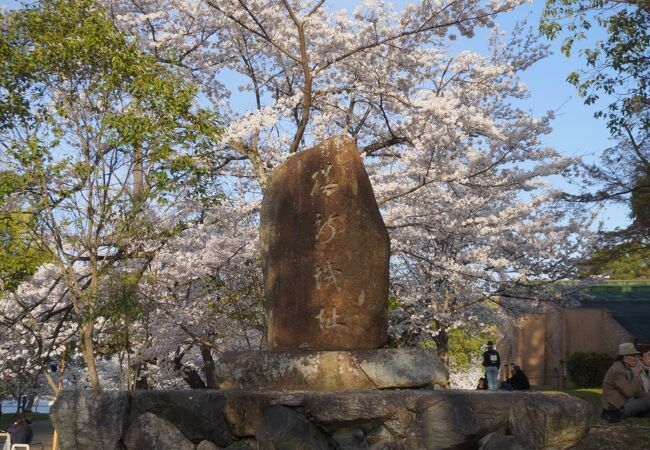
540, 342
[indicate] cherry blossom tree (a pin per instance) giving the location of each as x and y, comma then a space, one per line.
459, 171
458, 168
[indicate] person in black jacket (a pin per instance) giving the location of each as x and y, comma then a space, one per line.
492, 364
518, 380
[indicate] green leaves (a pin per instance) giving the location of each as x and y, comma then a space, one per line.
618, 66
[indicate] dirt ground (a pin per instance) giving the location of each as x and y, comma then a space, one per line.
630, 434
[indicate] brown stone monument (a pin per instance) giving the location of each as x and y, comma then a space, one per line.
326, 251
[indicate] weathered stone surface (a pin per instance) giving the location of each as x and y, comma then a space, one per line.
150, 432
350, 439
326, 251
198, 415
284, 429
537, 421
389, 419
455, 417
87, 420
392, 410
251, 445
551, 421
500, 441
330, 370
207, 445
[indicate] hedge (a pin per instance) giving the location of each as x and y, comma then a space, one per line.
587, 369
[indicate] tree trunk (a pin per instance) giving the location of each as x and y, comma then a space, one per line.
208, 367
89, 354
442, 345
190, 375
138, 175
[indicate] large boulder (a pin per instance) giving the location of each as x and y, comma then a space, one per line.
550, 421
150, 432
330, 370
325, 251
283, 428
535, 420
86, 420
197, 414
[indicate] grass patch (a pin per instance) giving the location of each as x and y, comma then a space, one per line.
591, 395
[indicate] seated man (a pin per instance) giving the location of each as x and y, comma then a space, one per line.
518, 380
622, 387
645, 365
21, 430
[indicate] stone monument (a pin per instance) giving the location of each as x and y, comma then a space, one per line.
325, 383
325, 250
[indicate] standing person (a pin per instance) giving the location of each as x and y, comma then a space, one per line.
623, 394
492, 363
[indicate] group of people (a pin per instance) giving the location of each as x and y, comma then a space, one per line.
626, 386
518, 380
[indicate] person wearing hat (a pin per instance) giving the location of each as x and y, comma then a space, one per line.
492, 363
622, 386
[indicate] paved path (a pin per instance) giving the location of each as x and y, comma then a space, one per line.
43, 432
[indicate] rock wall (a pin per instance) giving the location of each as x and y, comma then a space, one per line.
258, 420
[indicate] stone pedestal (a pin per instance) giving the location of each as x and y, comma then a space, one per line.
395, 419
329, 371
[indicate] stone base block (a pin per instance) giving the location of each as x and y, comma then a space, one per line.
353, 370
260, 420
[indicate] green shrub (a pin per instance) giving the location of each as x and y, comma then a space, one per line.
587, 369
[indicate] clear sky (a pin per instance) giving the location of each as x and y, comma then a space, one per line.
575, 131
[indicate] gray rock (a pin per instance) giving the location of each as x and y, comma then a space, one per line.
90, 419
391, 419
197, 414
551, 421
449, 419
150, 432
325, 251
366, 410
403, 367
500, 441
285, 429
248, 445
350, 439
355, 370
388, 445
207, 445
63, 412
